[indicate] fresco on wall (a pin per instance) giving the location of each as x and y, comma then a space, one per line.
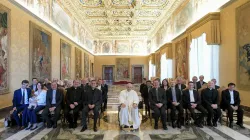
183, 18
60, 18
106, 47
122, 69
42, 7
137, 48
65, 60
4, 45
181, 58
78, 63
86, 65
40, 41
122, 47
89, 44
243, 45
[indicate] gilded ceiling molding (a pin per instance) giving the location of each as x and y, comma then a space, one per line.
210, 24
152, 58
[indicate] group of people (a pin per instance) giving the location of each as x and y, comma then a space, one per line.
176, 97
52, 97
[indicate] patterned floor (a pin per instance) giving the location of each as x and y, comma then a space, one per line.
109, 129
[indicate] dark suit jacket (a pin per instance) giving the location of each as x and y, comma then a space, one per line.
17, 98
59, 98
205, 97
47, 85
170, 97
142, 86
85, 87
182, 86
186, 98
31, 87
97, 97
74, 95
104, 91
199, 84
217, 87
161, 96
226, 99
145, 92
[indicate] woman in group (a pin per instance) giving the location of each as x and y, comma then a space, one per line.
165, 84
41, 103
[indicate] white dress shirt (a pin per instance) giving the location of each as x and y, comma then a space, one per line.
191, 94
24, 91
179, 85
232, 97
41, 97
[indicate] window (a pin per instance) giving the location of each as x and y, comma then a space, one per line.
151, 70
204, 59
166, 67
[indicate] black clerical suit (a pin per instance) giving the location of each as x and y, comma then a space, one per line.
91, 97
73, 95
199, 85
158, 96
226, 104
85, 87
197, 100
209, 97
178, 98
49, 98
144, 94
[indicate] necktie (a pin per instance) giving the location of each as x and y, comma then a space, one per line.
174, 95
23, 100
157, 98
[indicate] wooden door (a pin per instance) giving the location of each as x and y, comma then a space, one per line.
137, 75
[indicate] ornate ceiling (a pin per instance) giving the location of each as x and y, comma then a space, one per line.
121, 19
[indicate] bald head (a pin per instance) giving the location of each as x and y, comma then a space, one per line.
129, 86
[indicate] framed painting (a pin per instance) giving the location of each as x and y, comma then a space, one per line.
122, 69
40, 52
243, 46
78, 63
86, 65
65, 58
4, 46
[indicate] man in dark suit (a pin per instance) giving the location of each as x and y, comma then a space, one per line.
210, 99
175, 103
34, 83
92, 100
145, 93
201, 82
54, 101
195, 79
158, 102
191, 101
215, 86
105, 97
20, 103
101, 87
180, 84
85, 84
144, 80
74, 103
231, 102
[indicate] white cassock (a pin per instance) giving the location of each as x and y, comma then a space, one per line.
129, 114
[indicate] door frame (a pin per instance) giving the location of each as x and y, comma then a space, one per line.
103, 68
132, 70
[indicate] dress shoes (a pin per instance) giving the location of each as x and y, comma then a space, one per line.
83, 128
240, 125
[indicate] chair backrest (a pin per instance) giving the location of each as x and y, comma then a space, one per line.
204, 86
220, 92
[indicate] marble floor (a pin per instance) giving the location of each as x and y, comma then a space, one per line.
109, 129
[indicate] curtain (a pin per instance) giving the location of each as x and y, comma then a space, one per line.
166, 67
204, 59
151, 70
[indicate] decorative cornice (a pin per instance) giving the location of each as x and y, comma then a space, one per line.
204, 20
